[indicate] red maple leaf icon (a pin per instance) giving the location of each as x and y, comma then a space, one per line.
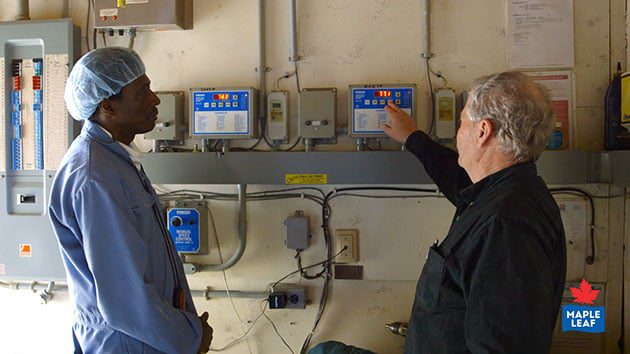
584, 294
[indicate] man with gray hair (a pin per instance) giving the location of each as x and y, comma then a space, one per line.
495, 283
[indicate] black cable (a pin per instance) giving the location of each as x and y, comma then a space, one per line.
307, 267
94, 38
303, 273
288, 190
433, 118
297, 141
591, 258
367, 145
297, 77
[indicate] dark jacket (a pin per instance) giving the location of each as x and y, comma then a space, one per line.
495, 283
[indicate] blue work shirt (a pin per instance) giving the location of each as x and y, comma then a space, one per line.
120, 262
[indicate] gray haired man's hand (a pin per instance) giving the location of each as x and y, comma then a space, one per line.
401, 125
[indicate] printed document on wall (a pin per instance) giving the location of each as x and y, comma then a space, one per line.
540, 34
560, 86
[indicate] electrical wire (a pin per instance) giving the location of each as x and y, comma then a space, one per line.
275, 329
285, 76
575, 191
297, 141
307, 267
227, 287
94, 44
241, 338
297, 77
104, 39
303, 273
367, 145
430, 83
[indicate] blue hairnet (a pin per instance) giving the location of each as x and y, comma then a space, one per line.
100, 74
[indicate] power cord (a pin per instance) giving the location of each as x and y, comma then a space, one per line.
227, 287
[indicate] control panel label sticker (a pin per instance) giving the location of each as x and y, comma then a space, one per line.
108, 12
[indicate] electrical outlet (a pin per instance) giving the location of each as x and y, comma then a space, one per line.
348, 238
288, 296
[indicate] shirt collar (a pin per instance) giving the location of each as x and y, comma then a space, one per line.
478, 190
103, 136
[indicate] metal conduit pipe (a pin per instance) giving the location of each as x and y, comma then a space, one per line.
23, 13
65, 9
426, 29
262, 65
45, 289
293, 18
33, 285
242, 235
209, 294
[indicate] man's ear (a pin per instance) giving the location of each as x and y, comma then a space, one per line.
106, 108
485, 130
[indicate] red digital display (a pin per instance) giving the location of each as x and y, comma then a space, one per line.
220, 96
382, 93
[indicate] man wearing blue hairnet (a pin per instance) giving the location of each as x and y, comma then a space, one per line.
127, 283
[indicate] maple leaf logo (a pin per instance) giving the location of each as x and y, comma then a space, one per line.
584, 294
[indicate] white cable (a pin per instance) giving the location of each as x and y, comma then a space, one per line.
227, 287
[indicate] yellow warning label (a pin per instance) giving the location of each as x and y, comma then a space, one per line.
306, 178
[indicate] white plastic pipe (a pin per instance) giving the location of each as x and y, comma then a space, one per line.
22, 11
293, 16
426, 30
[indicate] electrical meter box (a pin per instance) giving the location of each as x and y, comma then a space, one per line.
35, 132
366, 104
445, 114
318, 113
187, 224
169, 124
278, 115
143, 15
223, 113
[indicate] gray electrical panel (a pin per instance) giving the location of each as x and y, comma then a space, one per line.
35, 132
144, 15
318, 113
169, 124
297, 231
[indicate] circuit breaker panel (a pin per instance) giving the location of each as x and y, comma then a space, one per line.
35, 132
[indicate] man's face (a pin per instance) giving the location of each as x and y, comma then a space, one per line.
135, 107
466, 144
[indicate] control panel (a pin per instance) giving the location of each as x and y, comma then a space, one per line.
317, 113
278, 115
367, 106
223, 113
445, 115
170, 117
187, 228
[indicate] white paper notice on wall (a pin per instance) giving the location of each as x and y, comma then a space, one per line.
573, 213
540, 34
